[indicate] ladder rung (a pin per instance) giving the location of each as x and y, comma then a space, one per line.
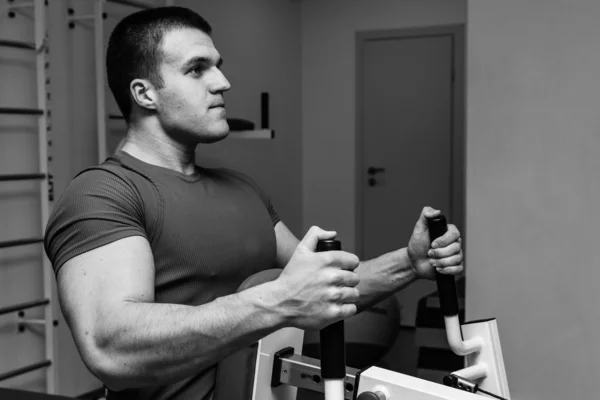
131, 3
24, 370
21, 111
20, 242
21, 177
24, 306
16, 44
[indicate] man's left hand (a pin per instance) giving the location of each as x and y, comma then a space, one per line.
443, 255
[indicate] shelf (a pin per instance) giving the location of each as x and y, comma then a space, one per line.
255, 134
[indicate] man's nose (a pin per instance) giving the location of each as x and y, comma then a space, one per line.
221, 83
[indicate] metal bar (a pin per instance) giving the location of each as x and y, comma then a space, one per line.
17, 45
131, 3
40, 34
21, 111
81, 17
305, 372
24, 370
32, 321
20, 242
20, 5
21, 177
100, 85
24, 306
115, 116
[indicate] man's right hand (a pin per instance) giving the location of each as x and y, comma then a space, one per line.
318, 289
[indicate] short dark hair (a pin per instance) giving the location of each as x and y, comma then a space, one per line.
134, 50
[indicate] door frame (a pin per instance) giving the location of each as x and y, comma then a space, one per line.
457, 156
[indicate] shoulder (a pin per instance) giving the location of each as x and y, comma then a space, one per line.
101, 204
116, 175
104, 182
97, 190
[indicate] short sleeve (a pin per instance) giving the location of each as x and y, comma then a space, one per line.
263, 195
97, 208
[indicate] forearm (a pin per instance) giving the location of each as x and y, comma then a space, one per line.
382, 276
153, 344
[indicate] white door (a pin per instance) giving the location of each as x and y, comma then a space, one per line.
407, 139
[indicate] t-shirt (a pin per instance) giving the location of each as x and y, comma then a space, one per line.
208, 232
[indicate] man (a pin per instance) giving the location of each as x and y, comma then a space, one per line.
149, 248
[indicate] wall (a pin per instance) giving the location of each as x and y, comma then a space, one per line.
259, 41
20, 267
532, 189
328, 99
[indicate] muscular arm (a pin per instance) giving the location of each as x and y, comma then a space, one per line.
127, 340
379, 277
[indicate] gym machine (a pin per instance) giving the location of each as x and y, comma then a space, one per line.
276, 368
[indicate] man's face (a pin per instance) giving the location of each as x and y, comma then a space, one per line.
190, 105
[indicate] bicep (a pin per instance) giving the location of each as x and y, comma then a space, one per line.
94, 285
286, 244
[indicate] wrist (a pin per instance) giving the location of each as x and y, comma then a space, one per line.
269, 299
406, 261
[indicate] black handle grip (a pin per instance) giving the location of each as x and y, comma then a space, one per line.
445, 283
332, 341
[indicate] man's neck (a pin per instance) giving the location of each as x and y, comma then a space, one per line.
153, 146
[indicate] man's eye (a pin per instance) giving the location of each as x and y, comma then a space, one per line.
197, 70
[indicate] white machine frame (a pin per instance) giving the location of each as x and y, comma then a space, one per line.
483, 364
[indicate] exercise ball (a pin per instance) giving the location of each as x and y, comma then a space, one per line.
369, 335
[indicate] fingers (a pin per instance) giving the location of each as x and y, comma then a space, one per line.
447, 261
451, 236
421, 225
312, 237
454, 270
343, 278
451, 265
429, 212
343, 295
448, 251
340, 259
347, 310
339, 311
446, 254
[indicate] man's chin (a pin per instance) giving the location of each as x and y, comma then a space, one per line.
214, 137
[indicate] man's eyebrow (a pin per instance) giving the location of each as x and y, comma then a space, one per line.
202, 60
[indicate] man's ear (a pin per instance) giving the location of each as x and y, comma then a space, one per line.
143, 93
